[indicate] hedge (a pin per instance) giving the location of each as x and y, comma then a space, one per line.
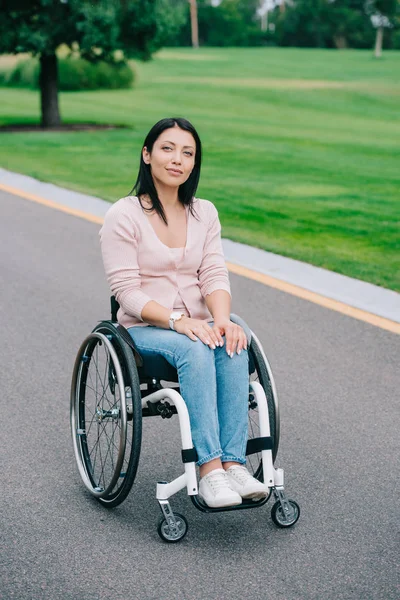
73, 74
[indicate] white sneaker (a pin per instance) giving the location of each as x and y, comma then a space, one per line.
244, 484
215, 490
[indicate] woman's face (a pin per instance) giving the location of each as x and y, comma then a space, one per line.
172, 157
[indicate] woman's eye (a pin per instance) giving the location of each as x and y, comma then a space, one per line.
167, 148
188, 153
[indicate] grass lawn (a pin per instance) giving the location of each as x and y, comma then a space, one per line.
301, 147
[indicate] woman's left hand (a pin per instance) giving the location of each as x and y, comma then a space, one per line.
235, 337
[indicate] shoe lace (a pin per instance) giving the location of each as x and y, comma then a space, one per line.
241, 475
217, 481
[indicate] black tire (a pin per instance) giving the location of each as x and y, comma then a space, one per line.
260, 371
106, 427
165, 533
282, 520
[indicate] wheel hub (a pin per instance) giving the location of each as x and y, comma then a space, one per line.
102, 414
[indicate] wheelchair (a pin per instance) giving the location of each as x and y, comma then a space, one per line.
113, 389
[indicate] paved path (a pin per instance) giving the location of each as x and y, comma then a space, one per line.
338, 381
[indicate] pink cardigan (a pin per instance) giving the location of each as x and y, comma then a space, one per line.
140, 268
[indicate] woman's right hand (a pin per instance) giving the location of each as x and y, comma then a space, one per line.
198, 329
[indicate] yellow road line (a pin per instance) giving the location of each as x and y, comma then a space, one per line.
294, 290
50, 204
277, 284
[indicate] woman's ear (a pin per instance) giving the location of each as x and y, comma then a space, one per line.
146, 155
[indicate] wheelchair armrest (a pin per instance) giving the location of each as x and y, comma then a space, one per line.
235, 319
114, 308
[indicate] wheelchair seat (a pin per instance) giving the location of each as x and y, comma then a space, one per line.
156, 367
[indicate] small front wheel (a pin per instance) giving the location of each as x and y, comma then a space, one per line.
173, 534
282, 518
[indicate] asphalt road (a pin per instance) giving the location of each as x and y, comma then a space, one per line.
338, 381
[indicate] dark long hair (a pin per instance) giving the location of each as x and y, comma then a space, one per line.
145, 184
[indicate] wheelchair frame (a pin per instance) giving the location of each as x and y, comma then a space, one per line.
173, 526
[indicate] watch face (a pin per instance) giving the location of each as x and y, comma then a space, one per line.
175, 316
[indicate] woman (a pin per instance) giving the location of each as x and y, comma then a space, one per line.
163, 259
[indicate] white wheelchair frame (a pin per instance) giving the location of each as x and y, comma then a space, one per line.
273, 477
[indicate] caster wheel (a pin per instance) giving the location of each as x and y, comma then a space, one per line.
169, 535
285, 520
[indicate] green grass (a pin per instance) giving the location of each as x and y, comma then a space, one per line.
301, 147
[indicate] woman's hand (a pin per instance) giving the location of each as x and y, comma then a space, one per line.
199, 329
235, 336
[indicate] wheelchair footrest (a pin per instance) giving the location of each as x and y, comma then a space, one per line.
203, 507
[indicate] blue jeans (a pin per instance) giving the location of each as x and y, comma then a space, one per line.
214, 386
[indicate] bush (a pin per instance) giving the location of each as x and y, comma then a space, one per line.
24, 74
73, 74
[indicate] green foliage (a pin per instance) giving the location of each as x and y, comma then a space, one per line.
171, 16
24, 74
231, 23
73, 74
304, 23
386, 7
76, 74
94, 28
333, 23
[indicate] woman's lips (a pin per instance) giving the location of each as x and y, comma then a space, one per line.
175, 172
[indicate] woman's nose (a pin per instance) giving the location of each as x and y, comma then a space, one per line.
176, 158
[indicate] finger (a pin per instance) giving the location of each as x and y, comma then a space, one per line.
229, 337
242, 341
235, 340
203, 336
190, 334
245, 341
212, 333
239, 344
213, 337
217, 332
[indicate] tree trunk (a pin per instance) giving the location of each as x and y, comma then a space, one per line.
48, 80
340, 41
194, 23
378, 42
264, 21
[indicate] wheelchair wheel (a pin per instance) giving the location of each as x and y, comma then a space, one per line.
172, 536
283, 519
106, 415
260, 371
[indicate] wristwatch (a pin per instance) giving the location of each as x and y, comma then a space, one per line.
174, 316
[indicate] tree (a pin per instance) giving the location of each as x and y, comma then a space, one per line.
230, 23
331, 23
194, 23
382, 13
96, 29
349, 24
305, 23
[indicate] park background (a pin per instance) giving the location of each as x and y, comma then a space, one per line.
297, 104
